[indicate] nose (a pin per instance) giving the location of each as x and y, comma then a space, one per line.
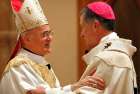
82, 34
49, 37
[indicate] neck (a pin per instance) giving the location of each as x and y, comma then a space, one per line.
31, 51
103, 33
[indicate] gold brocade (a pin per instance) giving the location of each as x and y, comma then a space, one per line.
43, 71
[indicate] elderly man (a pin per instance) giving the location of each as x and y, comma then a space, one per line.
110, 55
27, 72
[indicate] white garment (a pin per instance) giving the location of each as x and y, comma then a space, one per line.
112, 59
20, 76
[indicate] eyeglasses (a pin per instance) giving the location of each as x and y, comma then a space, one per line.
47, 33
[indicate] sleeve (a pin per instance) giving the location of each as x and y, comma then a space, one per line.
90, 68
63, 90
102, 70
25, 78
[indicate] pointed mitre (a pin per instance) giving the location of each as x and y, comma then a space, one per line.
28, 14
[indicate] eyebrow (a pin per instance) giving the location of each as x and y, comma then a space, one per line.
46, 31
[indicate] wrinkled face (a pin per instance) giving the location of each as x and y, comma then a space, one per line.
89, 33
39, 40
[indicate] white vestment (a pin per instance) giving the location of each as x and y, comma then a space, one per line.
112, 59
27, 71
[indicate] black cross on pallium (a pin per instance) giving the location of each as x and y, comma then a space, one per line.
107, 45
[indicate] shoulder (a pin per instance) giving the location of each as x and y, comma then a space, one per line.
115, 58
16, 62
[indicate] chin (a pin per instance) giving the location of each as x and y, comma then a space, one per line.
47, 50
46, 53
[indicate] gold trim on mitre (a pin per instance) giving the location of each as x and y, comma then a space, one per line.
30, 16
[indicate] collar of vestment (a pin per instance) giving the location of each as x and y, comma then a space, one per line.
109, 37
111, 42
36, 58
100, 47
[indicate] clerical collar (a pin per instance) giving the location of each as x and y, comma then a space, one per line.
109, 37
37, 58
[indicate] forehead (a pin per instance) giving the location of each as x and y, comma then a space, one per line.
42, 28
39, 30
81, 19
82, 22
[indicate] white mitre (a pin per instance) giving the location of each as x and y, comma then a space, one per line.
29, 14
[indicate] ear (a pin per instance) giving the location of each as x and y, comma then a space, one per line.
25, 38
97, 23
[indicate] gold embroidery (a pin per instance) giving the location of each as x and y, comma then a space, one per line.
46, 74
13, 63
29, 11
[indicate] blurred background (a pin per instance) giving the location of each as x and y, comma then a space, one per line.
67, 47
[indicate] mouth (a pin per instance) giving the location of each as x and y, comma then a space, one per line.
47, 45
47, 48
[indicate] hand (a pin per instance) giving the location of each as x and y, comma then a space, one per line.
91, 81
38, 90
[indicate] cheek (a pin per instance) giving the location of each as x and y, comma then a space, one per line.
84, 33
38, 41
91, 37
